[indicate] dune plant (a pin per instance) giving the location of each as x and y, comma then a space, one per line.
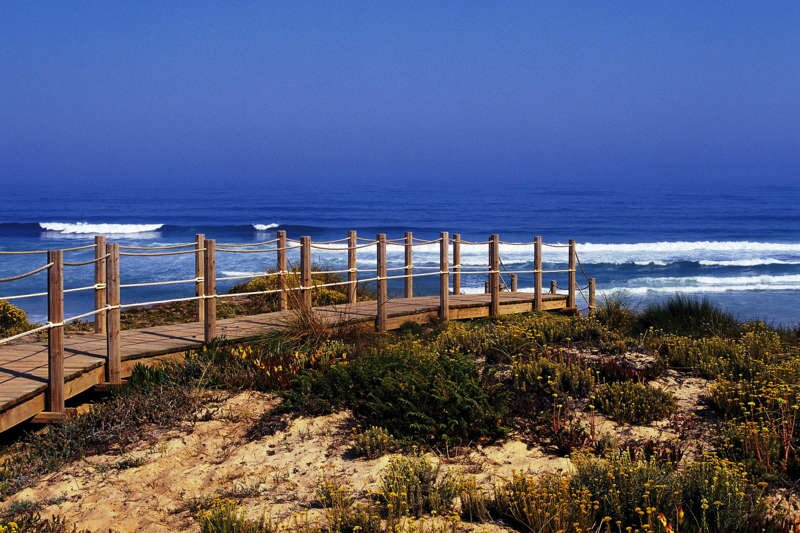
373, 442
633, 403
685, 315
413, 485
13, 320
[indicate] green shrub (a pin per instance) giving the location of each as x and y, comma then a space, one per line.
623, 483
633, 403
13, 320
269, 302
373, 442
615, 313
412, 486
538, 381
546, 503
414, 394
683, 315
474, 501
707, 356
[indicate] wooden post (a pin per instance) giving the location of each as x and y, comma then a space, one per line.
457, 263
553, 287
381, 316
99, 284
409, 264
444, 276
210, 301
283, 301
113, 326
494, 275
352, 267
306, 281
592, 296
514, 282
571, 296
486, 287
199, 266
55, 335
537, 273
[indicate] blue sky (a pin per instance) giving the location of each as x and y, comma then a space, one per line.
259, 92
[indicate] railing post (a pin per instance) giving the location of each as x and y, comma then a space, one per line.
457, 263
283, 299
494, 275
409, 264
352, 267
553, 287
210, 300
486, 287
444, 276
537, 273
55, 335
514, 282
199, 266
113, 316
99, 284
381, 315
571, 300
305, 273
592, 296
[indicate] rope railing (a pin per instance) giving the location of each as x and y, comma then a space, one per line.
303, 280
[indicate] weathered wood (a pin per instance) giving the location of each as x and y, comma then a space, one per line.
572, 286
457, 263
381, 317
553, 287
408, 281
199, 267
210, 300
486, 287
283, 297
99, 284
444, 276
537, 273
592, 296
494, 275
514, 282
113, 318
55, 335
352, 267
306, 282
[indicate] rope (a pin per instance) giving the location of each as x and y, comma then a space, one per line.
158, 247
157, 254
417, 241
157, 302
245, 245
335, 249
26, 274
475, 242
555, 245
510, 243
578, 260
157, 283
23, 252
84, 315
21, 296
252, 276
87, 288
259, 251
82, 263
26, 333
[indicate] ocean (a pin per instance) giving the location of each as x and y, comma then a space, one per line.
738, 247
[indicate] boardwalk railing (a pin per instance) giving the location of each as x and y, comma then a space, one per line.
108, 286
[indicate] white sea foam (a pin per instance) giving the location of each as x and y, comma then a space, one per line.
68, 228
265, 227
758, 261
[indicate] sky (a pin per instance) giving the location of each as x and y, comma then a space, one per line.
168, 95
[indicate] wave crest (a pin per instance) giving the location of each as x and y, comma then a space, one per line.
265, 227
69, 228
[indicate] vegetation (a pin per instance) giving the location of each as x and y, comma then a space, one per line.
430, 394
13, 320
633, 403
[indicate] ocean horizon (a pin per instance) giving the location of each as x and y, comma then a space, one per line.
739, 248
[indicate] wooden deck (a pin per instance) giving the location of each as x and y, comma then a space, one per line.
23, 366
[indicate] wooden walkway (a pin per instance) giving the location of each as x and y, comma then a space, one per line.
23, 366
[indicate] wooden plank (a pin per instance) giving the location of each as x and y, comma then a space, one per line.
55, 335
113, 351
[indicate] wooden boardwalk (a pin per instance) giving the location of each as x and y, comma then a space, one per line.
24, 366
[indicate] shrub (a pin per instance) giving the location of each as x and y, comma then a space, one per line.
32, 522
615, 313
410, 392
547, 503
412, 486
707, 356
373, 442
269, 302
683, 315
224, 516
529, 333
539, 380
474, 501
633, 403
13, 320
